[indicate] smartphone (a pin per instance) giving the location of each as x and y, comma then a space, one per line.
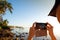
43, 29
40, 26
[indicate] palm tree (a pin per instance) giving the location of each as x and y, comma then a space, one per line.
5, 22
4, 5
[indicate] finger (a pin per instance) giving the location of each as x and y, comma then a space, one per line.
49, 25
32, 27
34, 24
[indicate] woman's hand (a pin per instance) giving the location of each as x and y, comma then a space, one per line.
31, 32
50, 29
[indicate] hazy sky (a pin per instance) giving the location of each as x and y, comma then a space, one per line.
26, 12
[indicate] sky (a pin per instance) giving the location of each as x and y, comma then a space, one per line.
26, 12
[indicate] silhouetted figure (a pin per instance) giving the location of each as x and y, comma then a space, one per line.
56, 10
53, 11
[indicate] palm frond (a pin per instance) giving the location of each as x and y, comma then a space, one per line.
5, 5
10, 10
9, 6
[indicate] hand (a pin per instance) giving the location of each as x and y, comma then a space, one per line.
31, 32
50, 29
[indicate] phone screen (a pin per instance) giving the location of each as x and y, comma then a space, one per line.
43, 29
40, 26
